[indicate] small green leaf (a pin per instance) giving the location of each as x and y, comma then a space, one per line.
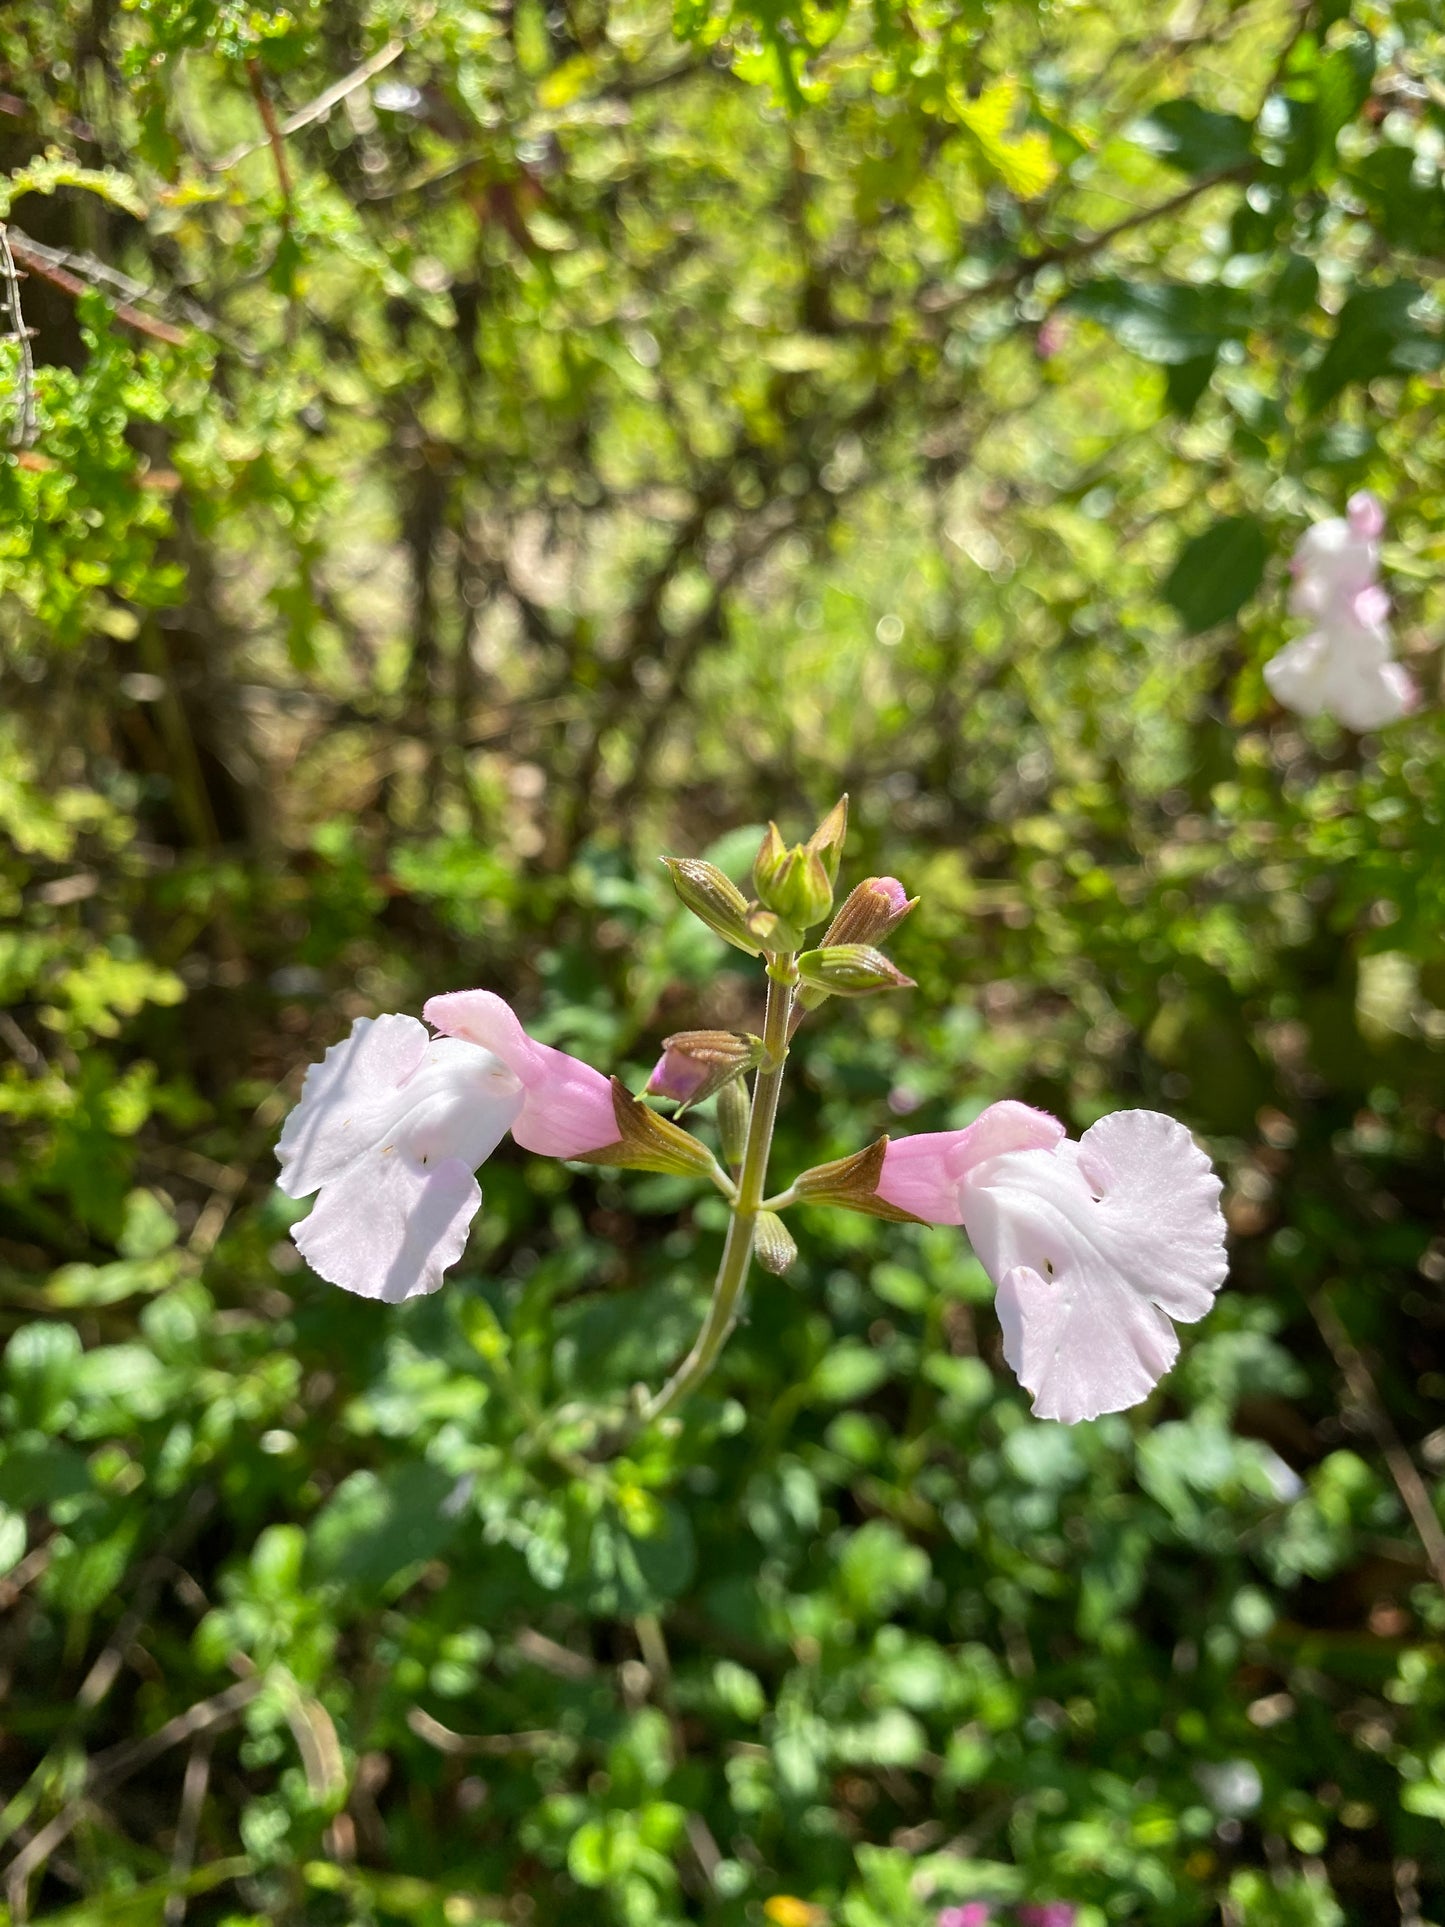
1168, 322
1380, 331
1194, 139
1343, 86
375, 1526
1216, 573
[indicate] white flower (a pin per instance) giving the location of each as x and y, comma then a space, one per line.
1345, 669
1095, 1247
391, 1125
1092, 1246
393, 1122
1345, 666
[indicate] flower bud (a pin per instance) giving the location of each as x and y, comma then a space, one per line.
734, 1113
870, 912
853, 1183
826, 842
793, 883
771, 853
773, 1243
850, 970
695, 1063
713, 898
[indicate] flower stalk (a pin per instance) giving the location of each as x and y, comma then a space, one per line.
737, 1252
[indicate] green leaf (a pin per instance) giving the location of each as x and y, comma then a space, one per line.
1023, 160
1194, 139
1167, 322
629, 1571
40, 1361
1185, 383
1216, 573
1380, 331
847, 1373
375, 1526
38, 1475
1342, 86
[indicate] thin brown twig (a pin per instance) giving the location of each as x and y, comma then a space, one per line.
119, 1763
314, 110
38, 261
1082, 246
188, 1825
22, 432
274, 136
1359, 1380
38, 256
460, 1745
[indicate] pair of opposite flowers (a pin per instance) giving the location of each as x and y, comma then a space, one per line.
1094, 1247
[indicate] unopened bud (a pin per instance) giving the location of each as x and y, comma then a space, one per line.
850, 970
647, 1142
713, 898
734, 1112
870, 912
695, 1063
797, 888
773, 1243
827, 840
853, 1183
771, 853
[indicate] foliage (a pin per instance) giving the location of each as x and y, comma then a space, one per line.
468, 451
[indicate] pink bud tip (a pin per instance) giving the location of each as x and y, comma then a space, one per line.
891, 888
1365, 513
677, 1076
973, 1913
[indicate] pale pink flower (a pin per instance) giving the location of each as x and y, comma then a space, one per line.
566, 1106
1345, 666
1344, 669
1333, 560
924, 1174
1093, 1247
390, 1128
973, 1913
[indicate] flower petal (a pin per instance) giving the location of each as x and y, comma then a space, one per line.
348, 1100
1367, 695
388, 1082
1331, 561
1298, 675
922, 1174
390, 1225
567, 1107
1091, 1245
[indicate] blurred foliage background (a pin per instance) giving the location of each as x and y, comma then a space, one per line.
462, 451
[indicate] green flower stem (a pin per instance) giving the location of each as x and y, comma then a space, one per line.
732, 1271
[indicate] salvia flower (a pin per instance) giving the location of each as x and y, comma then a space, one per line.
1094, 1247
1345, 666
393, 1123
972, 1913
